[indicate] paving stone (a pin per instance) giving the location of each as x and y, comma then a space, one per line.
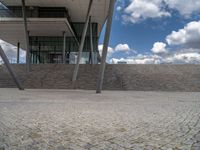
116, 120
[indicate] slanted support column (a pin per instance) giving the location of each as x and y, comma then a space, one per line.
12, 73
18, 52
82, 42
91, 42
72, 31
105, 47
26, 37
64, 47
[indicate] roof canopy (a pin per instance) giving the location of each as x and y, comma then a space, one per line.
12, 29
77, 8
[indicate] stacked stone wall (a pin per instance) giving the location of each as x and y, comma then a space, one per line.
117, 77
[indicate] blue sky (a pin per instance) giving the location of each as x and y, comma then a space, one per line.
139, 24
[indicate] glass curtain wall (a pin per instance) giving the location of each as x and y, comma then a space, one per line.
50, 49
5, 12
40, 12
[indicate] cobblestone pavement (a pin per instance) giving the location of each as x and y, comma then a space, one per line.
59, 119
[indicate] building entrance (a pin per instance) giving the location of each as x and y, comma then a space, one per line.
55, 58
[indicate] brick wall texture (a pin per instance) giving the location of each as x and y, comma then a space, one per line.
117, 77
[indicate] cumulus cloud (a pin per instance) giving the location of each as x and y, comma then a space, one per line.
182, 58
118, 48
139, 10
184, 7
122, 47
11, 52
110, 50
159, 48
139, 59
142, 9
177, 58
119, 8
188, 37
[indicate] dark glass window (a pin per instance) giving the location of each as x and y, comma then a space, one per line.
78, 27
50, 49
40, 12
4, 11
52, 12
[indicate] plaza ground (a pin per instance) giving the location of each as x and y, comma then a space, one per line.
64, 119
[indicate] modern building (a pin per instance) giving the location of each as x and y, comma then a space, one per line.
56, 31
122, 62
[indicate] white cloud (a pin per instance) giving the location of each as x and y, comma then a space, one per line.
110, 50
182, 58
139, 10
119, 8
188, 37
142, 9
118, 48
184, 7
159, 47
139, 59
177, 58
11, 52
122, 47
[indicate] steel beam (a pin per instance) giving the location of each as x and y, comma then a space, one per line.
91, 43
12, 73
72, 31
82, 42
28, 58
64, 47
105, 47
18, 52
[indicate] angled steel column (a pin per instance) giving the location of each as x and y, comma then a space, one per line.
27, 36
18, 51
72, 31
12, 73
64, 47
105, 46
82, 42
91, 42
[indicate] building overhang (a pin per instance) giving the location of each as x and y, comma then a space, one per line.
77, 9
12, 29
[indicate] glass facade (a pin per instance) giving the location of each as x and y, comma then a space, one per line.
4, 11
50, 49
40, 12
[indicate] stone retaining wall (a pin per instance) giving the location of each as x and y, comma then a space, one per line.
117, 77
